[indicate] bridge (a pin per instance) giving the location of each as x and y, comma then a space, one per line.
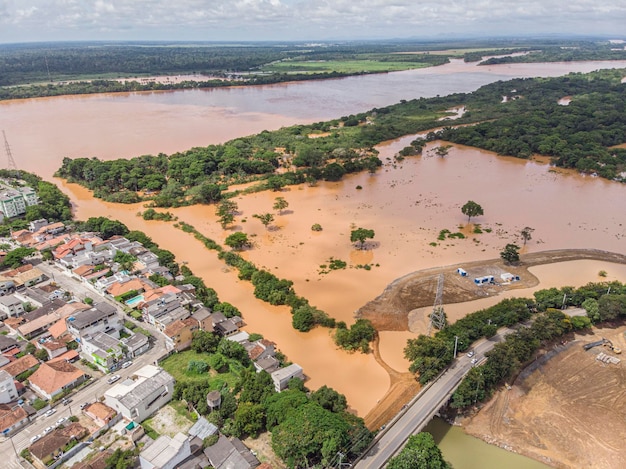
423, 407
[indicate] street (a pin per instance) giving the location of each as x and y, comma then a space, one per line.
11, 447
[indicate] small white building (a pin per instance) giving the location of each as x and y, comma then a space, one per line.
10, 305
139, 398
8, 391
282, 376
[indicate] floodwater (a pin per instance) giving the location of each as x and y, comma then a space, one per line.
407, 204
464, 451
122, 125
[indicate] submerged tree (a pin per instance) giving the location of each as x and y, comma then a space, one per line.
265, 218
360, 235
526, 234
510, 253
280, 204
471, 209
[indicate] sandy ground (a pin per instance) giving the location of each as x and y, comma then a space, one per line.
567, 409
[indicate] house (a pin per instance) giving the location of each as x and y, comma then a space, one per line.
102, 350
202, 429
101, 318
10, 305
136, 344
282, 376
21, 365
7, 286
25, 276
38, 325
12, 417
88, 272
8, 391
132, 284
165, 452
65, 253
178, 334
101, 413
55, 348
269, 364
7, 343
139, 398
50, 446
203, 316
163, 311
226, 454
54, 377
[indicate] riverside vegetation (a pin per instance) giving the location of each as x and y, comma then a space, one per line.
581, 135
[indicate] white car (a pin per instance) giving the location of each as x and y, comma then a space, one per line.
474, 361
470, 353
126, 364
48, 430
61, 420
35, 438
113, 379
49, 413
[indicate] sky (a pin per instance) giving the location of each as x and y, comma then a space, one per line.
299, 20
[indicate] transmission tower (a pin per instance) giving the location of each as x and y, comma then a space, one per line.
438, 317
11, 164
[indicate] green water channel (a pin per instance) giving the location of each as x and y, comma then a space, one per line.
464, 451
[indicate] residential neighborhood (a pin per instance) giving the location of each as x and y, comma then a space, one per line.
86, 323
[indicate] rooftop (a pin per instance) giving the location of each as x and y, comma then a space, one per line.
100, 410
10, 414
21, 365
52, 376
163, 449
202, 429
57, 439
7, 343
85, 318
149, 378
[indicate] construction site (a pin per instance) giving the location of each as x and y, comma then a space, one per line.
567, 409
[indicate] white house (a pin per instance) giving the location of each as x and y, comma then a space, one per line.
282, 376
165, 452
139, 398
8, 391
101, 318
10, 306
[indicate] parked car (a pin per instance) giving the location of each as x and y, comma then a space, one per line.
84, 404
66, 401
35, 438
113, 379
127, 364
49, 413
48, 430
61, 420
474, 361
470, 353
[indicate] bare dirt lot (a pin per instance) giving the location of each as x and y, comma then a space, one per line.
567, 410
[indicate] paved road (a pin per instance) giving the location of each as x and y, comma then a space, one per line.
423, 407
89, 393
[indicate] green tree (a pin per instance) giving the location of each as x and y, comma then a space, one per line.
15, 257
442, 150
330, 399
121, 459
226, 211
303, 319
125, 260
360, 235
249, 419
510, 253
526, 234
280, 204
420, 452
204, 342
42, 355
471, 209
593, 309
237, 241
265, 218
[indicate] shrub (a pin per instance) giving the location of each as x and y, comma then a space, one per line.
316, 227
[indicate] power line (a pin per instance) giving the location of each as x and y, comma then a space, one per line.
7, 147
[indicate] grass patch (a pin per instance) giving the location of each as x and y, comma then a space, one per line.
181, 409
151, 432
342, 66
176, 365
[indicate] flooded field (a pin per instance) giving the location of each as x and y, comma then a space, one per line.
406, 204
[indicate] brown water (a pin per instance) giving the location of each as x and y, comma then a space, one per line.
406, 205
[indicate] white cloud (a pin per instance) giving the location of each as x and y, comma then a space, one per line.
299, 19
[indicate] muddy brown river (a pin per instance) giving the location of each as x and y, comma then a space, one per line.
406, 204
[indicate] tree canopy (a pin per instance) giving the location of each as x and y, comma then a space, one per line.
471, 209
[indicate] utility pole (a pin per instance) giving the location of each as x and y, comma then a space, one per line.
7, 147
456, 343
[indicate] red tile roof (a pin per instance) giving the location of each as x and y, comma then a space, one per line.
52, 376
20, 365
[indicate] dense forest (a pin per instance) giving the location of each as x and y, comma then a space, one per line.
531, 120
54, 69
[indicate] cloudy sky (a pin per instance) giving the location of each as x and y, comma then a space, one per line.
227, 20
